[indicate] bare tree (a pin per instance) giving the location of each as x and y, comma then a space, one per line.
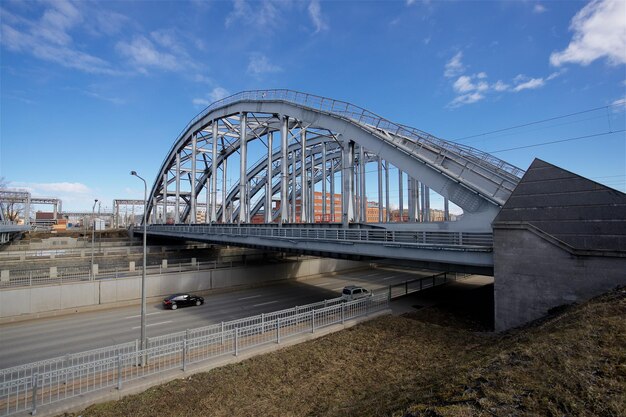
10, 210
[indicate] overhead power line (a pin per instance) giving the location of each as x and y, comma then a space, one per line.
559, 141
538, 122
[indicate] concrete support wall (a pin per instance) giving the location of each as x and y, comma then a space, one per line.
41, 299
533, 275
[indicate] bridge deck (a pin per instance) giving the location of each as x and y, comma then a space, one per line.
433, 247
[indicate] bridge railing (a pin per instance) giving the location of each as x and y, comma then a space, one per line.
402, 237
27, 387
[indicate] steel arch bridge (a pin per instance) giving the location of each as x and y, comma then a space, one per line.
316, 152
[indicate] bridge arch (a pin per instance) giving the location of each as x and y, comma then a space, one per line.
306, 141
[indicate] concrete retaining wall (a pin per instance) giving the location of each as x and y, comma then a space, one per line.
532, 275
41, 299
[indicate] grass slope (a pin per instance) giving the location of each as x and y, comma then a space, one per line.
431, 363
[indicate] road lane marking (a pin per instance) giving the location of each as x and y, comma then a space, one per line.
337, 289
264, 304
323, 284
370, 275
153, 324
385, 279
139, 315
250, 298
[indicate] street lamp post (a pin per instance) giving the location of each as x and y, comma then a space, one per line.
142, 342
93, 234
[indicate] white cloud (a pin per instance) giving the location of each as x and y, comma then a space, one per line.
143, 54
599, 32
620, 103
54, 188
471, 88
539, 8
216, 94
200, 102
264, 17
48, 38
500, 86
110, 23
454, 66
465, 83
315, 13
114, 100
466, 99
531, 84
259, 64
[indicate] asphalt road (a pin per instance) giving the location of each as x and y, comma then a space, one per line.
34, 340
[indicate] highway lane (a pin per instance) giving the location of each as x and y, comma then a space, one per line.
56, 336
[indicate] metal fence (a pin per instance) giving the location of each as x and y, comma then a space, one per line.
26, 387
419, 284
43, 276
417, 238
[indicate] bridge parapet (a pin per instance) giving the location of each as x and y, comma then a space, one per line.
442, 249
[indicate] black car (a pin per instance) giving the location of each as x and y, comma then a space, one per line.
182, 300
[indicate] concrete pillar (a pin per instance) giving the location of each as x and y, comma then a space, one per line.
131, 266
426, 197
387, 207
82, 253
213, 212
194, 149
243, 181
177, 205
224, 177
164, 218
400, 192
293, 189
332, 191
380, 190
207, 207
164, 263
153, 218
363, 211
53, 272
94, 270
283, 172
193, 261
324, 176
311, 190
356, 191
411, 197
304, 186
5, 275
347, 183
268, 179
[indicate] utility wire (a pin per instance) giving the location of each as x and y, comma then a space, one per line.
558, 141
538, 121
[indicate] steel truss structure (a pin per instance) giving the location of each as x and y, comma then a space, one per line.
316, 144
24, 197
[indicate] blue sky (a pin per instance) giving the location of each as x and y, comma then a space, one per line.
93, 90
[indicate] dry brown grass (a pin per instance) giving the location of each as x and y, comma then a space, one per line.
428, 363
